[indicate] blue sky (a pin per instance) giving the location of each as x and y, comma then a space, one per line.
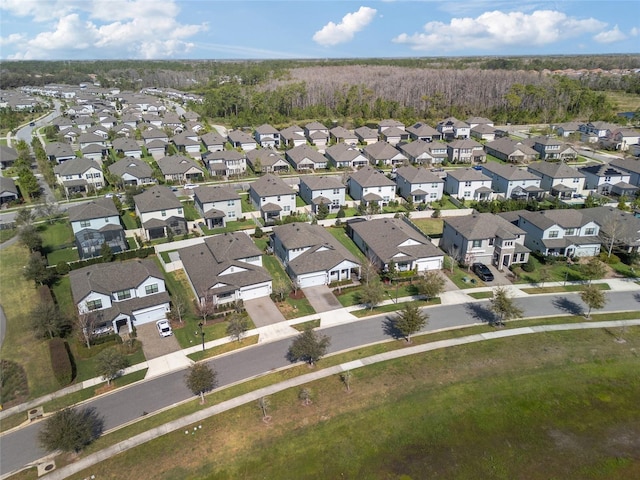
269, 29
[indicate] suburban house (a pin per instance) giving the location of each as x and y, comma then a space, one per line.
187, 142
418, 185
94, 152
474, 122
267, 136
94, 224
179, 168
424, 132
565, 232
9, 155
132, 171
312, 256
620, 139
152, 134
551, 149
217, 205
213, 141
156, 148
343, 155
566, 129
340, 134
559, 179
226, 163
265, 160
425, 153
160, 210
79, 175
120, 295
305, 157
317, 190
127, 147
8, 190
606, 180
272, 197
465, 151
510, 181
630, 166
619, 230
317, 134
382, 153
366, 135
451, 128
293, 136
485, 238
394, 135
510, 150
483, 132
225, 269
56, 152
369, 185
386, 240
86, 139
468, 184
592, 132
390, 123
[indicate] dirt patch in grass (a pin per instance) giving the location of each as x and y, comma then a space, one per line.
14, 387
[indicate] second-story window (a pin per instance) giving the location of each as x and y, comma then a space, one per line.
467, 184
123, 294
163, 213
553, 234
94, 304
150, 289
477, 243
85, 223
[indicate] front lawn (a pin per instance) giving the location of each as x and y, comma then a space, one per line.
6, 234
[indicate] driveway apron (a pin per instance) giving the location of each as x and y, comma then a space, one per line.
263, 311
322, 298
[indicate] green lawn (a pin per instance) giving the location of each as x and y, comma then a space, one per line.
247, 206
485, 410
300, 202
132, 243
190, 212
64, 255
344, 239
275, 269
429, 226
129, 220
7, 234
62, 292
233, 226
56, 235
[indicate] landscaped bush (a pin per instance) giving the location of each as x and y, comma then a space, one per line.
528, 267
61, 361
604, 257
62, 268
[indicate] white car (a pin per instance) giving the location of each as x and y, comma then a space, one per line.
189, 186
164, 329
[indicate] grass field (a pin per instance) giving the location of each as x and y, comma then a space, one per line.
429, 226
509, 408
626, 102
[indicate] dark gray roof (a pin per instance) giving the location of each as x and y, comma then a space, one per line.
223, 155
238, 136
370, 177
98, 208
565, 218
8, 154
176, 164
126, 144
422, 130
483, 225
270, 185
509, 172
76, 166
555, 170
302, 152
107, 278
204, 262
381, 150
325, 252
135, 167
385, 235
628, 164
216, 193
156, 198
266, 156
58, 149
468, 175
321, 182
266, 129
507, 146
212, 138
624, 227
602, 170
8, 185
417, 175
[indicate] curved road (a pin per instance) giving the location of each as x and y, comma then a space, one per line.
19, 448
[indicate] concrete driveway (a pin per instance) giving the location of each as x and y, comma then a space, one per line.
322, 298
263, 311
153, 345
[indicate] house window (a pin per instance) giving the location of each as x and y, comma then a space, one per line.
231, 214
94, 304
151, 289
123, 294
491, 241
576, 180
434, 185
590, 231
522, 255
287, 208
252, 259
163, 213
467, 194
336, 191
433, 195
179, 211
85, 223
467, 184
279, 199
553, 234
607, 179
477, 243
335, 202
570, 231
231, 203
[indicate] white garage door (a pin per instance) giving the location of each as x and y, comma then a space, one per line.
430, 264
256, 292
149, 315
313, 280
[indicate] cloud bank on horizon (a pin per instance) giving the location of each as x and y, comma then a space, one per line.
224, 29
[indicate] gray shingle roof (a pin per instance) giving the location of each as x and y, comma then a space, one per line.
76, 166
177, 165
483, 225
468, 175
565, 218
370, 177
133, 166
555, 170
418, 175
98, 208
215, 194
269, 185
157, 198
321, 182
381, 150
8, 185
302, 152
510, 172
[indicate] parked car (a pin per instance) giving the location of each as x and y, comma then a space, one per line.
483, 272
32, 124
189, 186
164, 329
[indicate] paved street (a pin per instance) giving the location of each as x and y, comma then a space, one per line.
19, 447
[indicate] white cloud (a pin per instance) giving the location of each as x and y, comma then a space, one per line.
494, 30
113, 29
634, 32
41, 10
333, 34
11, 39
610, 36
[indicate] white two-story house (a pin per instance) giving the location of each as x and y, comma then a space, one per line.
226, 163
79, 175
419, 185
94, 224
160, 210
559, 179
468, 183
267, 136
218, 205
317, 190
369, 185
116, 297
272, 197
510, 181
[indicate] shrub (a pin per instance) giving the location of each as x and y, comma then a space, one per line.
609, 259
528, 267
62, 268
61, 361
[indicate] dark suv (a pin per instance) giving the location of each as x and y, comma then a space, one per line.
482, 271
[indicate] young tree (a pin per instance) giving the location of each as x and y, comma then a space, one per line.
36, 269
106, 253
264, 403
71, 429
47, 321
504, 306
371, 293
24, 216
544, 275
323, 211
593, 269
109, 363
30, 238
85, 325
205, 307
593, 297
431, 284
280, 290
178, 307
308, 347
346, 379
410, 320
200, 379
237, 327
305, 396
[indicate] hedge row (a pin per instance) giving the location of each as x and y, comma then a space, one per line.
126, 255
61, 361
